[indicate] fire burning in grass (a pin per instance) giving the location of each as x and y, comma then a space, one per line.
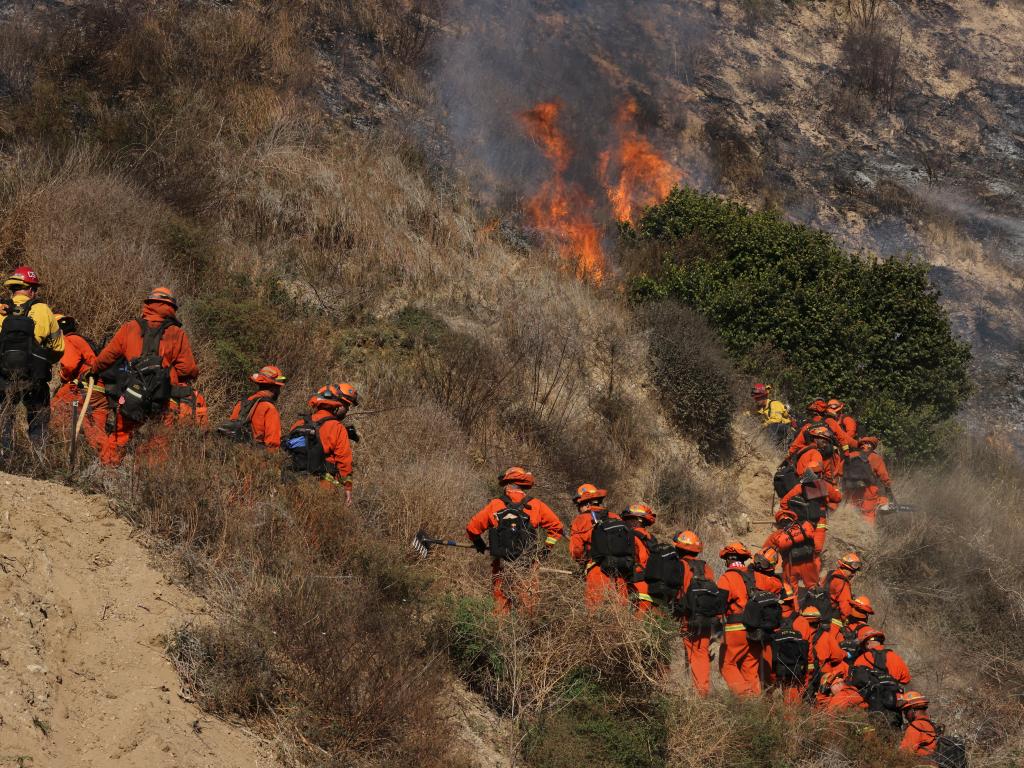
632, 173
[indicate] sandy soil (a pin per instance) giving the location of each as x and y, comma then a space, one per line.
83, 677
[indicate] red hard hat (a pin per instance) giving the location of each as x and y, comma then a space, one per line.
23, 277
516, 476
759, 391
817, 406
270, 375
851, 562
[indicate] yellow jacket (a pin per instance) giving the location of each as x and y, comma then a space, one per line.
48, 333
774, 412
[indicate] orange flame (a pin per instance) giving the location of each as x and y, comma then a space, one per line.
644, 177
561, 208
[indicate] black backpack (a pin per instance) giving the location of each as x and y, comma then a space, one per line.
785, 478
305, 448
876, 685
664, 573
21, 356
804, 508
950, 752
146, 383
514, 535
820, 599
240, 429
762, 614
789, 653
857, 471
611, 547
704, 601
849, 644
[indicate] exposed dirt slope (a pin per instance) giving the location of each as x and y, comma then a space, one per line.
83, 677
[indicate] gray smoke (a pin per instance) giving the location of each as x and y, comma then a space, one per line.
499, 59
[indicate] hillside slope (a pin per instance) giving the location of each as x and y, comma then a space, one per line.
83, 677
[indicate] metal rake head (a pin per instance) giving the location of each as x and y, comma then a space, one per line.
420, 544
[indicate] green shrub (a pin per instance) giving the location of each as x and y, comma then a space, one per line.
600, 727
694, 376
866, 330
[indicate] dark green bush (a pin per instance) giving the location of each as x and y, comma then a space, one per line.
867, 330
693, 374
600, 727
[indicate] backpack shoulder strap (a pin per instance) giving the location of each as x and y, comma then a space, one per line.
249, 407
697, 568
748, 581
878, 661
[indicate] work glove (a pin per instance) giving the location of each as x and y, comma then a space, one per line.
479, 545
353, 434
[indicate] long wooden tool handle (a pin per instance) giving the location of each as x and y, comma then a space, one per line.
85, 406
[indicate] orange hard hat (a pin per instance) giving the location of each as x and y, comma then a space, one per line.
516, 476
270, 375
640, 511
785, 516
817, 406
868, 440
862, 604
851, 562
811, 613
588, 492
820, 431
835, 406
869, 633
161, 295
767, 559
734, 549
23, 277
334, 396
688, 541
912, 700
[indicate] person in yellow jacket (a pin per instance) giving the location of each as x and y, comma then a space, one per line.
774, 414
30, 343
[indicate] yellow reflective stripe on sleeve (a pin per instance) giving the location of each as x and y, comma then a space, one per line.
822, 524
550, 541
644, 596
734, 627
837, 623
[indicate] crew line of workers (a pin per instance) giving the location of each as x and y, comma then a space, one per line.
778, 626
146, 374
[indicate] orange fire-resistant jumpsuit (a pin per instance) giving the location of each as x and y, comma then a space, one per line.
599, 585
264, 420
637, 589
523, 591
837, 584
739, 659
850, 698
792, 690
831, 500
802, 440
78, 357
696, 641
846, 439
920, 737
176, 351
337, 448
790, 536
826, 655
870, 498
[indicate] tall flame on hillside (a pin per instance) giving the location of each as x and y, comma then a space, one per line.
633, 173
561, 208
